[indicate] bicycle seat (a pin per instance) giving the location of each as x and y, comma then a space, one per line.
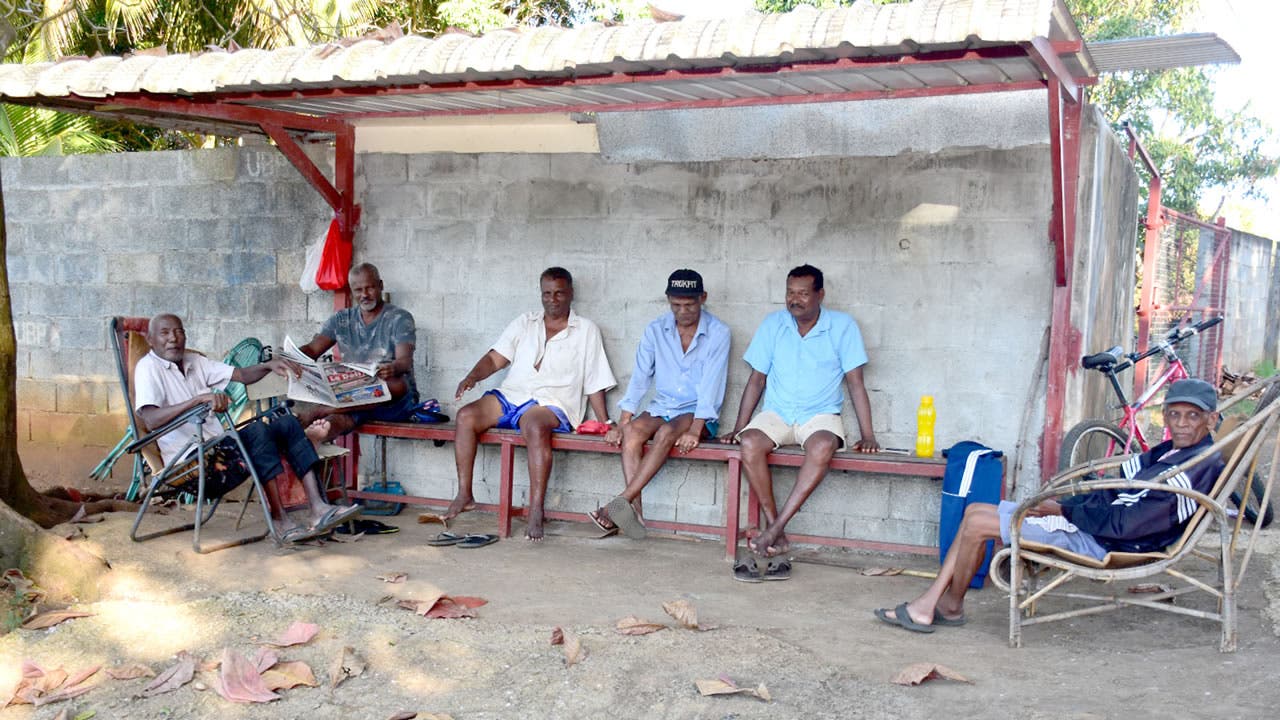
1104, 360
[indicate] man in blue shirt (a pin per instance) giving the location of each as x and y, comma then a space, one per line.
798, 358
684, 354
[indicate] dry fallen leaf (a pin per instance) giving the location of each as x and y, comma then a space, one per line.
423, 606
130, 672
434, 716
289, 674
456, 606
299, 633
239, 681
916, 673
425, 518
49, 619
574, 651
264, 659
683, 612
878, 571
392, 577
406, 715
174, 677
346, 665
632, 625
557, 635
1144, 588
725, 686
62, 715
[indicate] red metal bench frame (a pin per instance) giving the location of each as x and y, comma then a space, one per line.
731, 531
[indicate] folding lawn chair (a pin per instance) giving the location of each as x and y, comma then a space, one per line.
224, 464
1027, 561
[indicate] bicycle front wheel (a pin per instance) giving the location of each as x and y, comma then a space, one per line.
1090, 440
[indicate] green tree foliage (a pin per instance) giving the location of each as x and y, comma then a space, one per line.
1196, 145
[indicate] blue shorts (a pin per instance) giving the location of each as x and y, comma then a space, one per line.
1053, 530
394, 411
511, 414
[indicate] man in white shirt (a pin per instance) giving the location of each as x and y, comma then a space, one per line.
169, 381
556, 357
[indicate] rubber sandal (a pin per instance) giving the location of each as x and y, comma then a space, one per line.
445, 539
777, 570
624, 516
366, 526
296, 534
594, 516
747, 571
938, 619
902, 619
477, 541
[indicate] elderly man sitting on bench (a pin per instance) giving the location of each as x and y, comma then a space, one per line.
1090, 524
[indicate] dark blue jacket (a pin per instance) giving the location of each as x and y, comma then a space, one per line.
1145, 520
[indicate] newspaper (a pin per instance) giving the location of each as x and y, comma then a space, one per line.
336, 384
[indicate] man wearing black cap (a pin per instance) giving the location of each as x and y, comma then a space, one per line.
1090, 524
684, 354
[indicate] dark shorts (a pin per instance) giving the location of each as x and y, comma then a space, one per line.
511, 414
394, 411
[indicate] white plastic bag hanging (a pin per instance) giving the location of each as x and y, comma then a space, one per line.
308, 280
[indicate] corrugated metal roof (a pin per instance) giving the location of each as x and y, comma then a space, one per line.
1161, 53
806, 53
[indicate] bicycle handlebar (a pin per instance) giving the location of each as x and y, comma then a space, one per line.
1173, 337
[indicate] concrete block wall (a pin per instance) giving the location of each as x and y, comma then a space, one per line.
941, 257
1253, 303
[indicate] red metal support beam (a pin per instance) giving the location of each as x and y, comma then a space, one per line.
291, 150
1045, 55
1150, 250
1064, 338
214, 108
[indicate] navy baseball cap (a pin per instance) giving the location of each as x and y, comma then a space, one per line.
1196, 392
684, 283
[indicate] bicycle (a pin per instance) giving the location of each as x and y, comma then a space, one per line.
1095, 439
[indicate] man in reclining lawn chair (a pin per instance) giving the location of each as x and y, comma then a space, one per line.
168, 381
1089, 524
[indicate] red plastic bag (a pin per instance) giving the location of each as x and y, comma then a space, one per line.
335, 260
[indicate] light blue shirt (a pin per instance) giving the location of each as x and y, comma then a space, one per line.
686, 381
804, 373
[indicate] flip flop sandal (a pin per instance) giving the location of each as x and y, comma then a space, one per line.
477, 541
445, 539
777, 570
902, 619
938, 619
747, 571
296, 534
594, 516
366, 526
624, 516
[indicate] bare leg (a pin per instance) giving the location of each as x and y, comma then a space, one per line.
663, 440
946, 594
756, 447
634, 436
536, 426
282, 520
818, 450
473, 420
317, 505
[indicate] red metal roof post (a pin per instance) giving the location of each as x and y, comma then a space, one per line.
1064, 148
344, 172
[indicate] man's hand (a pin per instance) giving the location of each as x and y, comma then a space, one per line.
687, 442
614, 436
218, 401
867, 445
1048, 507
466, 384
284, 367
387, 370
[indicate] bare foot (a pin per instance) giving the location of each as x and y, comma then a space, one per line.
769, 544
318, 432
461, 503
534, 532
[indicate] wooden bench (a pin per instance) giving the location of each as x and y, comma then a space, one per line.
730, 454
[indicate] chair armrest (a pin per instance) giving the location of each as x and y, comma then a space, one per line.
186, 417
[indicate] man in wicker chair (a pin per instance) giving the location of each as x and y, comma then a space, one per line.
168, 381
1090, 524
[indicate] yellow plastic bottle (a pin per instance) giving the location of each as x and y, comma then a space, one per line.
925, 418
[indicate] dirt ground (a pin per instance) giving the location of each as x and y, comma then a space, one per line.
812, 641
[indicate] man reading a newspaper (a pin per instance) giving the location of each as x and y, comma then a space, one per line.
170, 381
374, 332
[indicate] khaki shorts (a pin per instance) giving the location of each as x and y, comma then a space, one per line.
771, 423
